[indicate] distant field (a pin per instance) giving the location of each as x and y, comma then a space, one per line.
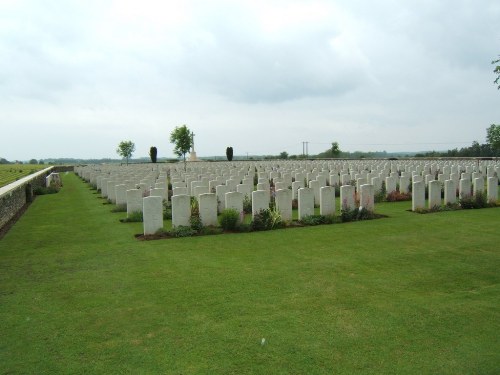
13, 172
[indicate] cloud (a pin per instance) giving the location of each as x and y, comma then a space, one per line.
259, 75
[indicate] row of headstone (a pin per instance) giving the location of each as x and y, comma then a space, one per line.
128, 185
465, 189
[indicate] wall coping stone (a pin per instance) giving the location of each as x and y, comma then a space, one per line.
4, 190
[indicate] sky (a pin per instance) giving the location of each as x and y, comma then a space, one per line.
78, 77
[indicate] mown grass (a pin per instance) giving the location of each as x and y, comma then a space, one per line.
13, 172
414, 294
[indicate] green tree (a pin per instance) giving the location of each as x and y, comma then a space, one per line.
126, 149
335, 150
33, 161
493, 137
182, 138
284, 155
153, 153
497, 72
229, 153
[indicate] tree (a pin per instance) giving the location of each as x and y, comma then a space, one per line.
33, 161
182, 138
229, 153
493, 137
153, 153
284, 155
126, 149
497, 72
335, 150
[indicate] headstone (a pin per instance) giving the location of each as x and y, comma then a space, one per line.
366, 199
245, 189
347, 197
390, 184
450, 192
152, 214
111, 191
234, 200
478, 185
180, 191
464, 190
220, 192
492, 189
327, 200
208, 209
314, 185
121, 195
134, 201
377, 183
260, 201
418, 196
263, 186
434, 194
231, 185
404, 183
181, 210
157, 192
198, 190
280, 186
296, 185
283, 201
306, 202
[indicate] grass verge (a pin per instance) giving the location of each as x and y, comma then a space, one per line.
407, 294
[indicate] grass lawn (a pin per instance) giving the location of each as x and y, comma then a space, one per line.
13, 172
416, 294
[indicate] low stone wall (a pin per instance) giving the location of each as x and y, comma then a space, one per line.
14, 196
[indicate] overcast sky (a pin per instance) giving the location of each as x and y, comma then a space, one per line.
77, 77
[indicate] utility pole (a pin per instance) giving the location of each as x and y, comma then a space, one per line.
305, 148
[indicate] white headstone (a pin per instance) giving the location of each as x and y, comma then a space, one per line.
366, 198
314, 185
327, 200
450, 192
418, 195
179, 191
464, 190
434, 194
208, 209
492, 189
260, 201
306, 202
234, 200
478, 185
134, 201
181, 210
347, 197
283, 201
152, 214
390, 184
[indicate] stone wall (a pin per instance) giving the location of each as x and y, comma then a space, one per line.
14, 196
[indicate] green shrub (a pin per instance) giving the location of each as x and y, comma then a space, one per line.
396, 196
229, 219
318, 219
479, 200
182, 231
356, 214
247, 205
267, 219
134, 217
196, 223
